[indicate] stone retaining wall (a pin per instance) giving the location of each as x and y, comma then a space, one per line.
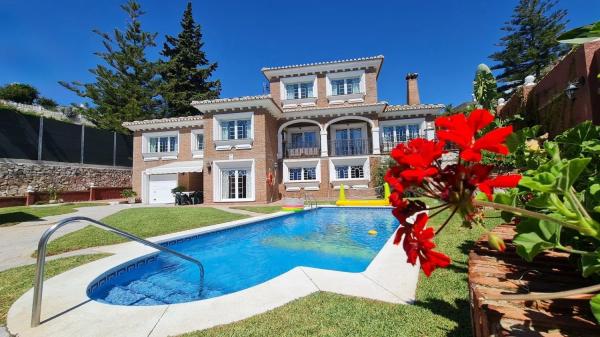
16, 176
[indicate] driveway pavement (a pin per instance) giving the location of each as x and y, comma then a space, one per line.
18, 242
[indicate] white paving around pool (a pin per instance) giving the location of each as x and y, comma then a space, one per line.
68, 311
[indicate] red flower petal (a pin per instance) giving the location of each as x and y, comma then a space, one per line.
479, 119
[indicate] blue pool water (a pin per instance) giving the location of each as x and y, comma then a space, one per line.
241, 257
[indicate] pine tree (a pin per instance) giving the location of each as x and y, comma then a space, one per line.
531, 43
126, 85
186, 72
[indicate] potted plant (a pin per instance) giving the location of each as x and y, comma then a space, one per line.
52, 195
130, 195
177, 189
555, 199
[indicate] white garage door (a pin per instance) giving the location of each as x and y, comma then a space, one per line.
159, 188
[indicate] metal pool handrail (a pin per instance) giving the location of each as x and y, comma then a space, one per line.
310, 202
41, 259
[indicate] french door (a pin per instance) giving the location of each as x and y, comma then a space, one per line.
349, 142
235, 184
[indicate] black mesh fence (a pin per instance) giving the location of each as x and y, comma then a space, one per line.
18, 135
62, 142
123, 152
98, 148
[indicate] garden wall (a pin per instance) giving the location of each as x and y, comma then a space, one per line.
546, 102
17, 175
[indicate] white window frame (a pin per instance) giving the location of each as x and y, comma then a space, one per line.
343, 76
150, 156
283, 82
228, 144
241, 164
342, 126
197, 153
304, 129
349, 161
401, 122
301, 164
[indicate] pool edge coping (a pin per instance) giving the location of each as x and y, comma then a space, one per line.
387, 278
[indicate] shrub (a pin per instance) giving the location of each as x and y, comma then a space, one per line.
128, 193
47, 103
20, 93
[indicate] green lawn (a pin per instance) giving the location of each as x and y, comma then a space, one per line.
259, 209
144, 222
13, 215
441, 309
16, 281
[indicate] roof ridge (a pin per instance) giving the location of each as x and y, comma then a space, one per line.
232, 99
366, 58
163, 120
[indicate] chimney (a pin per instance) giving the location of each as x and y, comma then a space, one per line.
412, 89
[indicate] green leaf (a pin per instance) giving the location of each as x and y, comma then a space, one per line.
530, 244
571, 171
595, 305
541, 200
506, 199
590, 264
541, 182
553, 151
535, 236
481, 196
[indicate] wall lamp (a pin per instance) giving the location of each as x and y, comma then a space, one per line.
572, 88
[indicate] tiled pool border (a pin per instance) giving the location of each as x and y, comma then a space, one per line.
388, 278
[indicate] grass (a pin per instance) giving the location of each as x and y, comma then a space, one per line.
259, 209
145, 222
16, 281
13, 215
441, 309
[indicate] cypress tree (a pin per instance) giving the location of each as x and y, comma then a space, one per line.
531, 42
186, 73
126, 85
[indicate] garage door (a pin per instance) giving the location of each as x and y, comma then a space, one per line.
159, 188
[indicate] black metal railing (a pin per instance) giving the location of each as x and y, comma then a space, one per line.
301, 149
349, 147
387, 145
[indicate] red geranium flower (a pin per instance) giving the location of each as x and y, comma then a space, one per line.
461, 130
417, 243
506, 181
418, 154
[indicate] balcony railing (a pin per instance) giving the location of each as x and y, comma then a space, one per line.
301, 149
349, 147
387, 145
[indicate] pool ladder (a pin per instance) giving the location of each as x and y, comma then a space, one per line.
41, 259
312, 202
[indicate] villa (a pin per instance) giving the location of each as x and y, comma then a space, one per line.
322, 126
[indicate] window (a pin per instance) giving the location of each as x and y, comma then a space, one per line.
303, 173
303, 139
353, 172
199, 141
235, 184
295, 174
235, 129
299, 90
357, 172
400, 133
162, 144
341, 172
345, 86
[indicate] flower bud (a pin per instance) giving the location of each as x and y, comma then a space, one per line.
496, 242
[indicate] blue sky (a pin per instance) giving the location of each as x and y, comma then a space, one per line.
443, 40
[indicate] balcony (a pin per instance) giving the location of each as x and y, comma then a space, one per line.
387, 145
349, 147
301, 149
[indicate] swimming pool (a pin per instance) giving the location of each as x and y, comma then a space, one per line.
234, 259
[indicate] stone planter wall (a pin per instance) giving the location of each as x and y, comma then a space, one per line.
16, 176
492, 272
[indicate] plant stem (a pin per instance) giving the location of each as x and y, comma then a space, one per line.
447, 220
574, 251
527, 213
440, 211
545, 296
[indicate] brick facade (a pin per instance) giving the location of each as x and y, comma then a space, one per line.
265, 149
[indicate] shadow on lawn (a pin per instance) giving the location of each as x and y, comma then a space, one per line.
10, 219
458, 312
